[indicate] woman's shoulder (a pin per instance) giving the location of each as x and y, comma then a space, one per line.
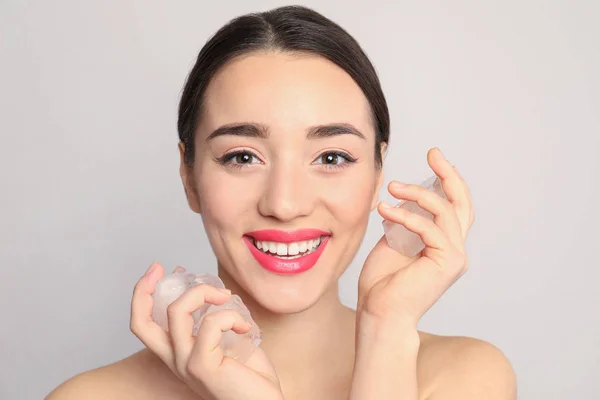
141, 375
460, 367
448, 367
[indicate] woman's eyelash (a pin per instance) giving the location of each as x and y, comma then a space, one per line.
347, 158
228, 158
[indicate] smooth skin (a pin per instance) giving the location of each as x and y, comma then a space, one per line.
313, 346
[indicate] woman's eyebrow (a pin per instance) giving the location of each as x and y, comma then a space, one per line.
261, 131
241, 129
325, 131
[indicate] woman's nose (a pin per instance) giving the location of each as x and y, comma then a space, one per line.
287, 194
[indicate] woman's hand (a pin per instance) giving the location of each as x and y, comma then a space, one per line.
400, 288
199, 361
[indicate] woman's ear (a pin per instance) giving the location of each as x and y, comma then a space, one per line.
379, 181
187, 178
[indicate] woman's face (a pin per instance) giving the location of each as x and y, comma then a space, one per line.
284, 176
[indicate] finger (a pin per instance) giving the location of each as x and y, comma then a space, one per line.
207, 351
444, 213
454, 187
469, 201
430, 233
467, 190
439, 246
181, 322
141, 324
179, 269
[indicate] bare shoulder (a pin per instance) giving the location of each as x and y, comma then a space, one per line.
139, 376
458, 367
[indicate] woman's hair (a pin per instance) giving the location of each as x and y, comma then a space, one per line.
287, 29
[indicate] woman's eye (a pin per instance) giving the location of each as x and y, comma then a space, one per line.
239, 158
335, 159
332, 159
243, 158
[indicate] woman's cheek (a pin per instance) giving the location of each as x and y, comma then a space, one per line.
349, 196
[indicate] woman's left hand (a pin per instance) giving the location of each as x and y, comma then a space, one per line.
392, 285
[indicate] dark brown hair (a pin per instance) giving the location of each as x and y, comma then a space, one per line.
287, 29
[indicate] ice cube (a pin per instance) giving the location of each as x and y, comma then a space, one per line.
236, 346
167, 290
172, 286
401, 239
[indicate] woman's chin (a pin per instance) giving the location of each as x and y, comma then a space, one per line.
286, 296
285, 288
285, 303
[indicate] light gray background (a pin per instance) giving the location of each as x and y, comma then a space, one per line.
90, 192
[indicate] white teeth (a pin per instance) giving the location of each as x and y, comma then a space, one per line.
281, 249
295, 249
272, 247
303, 246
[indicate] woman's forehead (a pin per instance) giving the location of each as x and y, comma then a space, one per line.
284, 90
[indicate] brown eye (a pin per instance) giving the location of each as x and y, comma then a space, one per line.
243, 158
240, 159
331, 159
335, 159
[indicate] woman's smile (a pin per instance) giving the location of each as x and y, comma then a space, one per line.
287, 252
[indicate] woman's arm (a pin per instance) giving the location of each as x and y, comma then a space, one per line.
395, 290
385, 365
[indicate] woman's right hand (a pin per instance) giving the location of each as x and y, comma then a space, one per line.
199, 361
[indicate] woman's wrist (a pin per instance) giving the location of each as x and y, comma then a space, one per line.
385, 364
395, 332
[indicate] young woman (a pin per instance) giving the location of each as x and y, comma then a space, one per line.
283, 126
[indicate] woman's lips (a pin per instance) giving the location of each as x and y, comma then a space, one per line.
282, 266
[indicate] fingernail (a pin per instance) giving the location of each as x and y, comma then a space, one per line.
151, 268
398, 185
225, 290
385, 205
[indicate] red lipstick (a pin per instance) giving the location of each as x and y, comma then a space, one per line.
284, 266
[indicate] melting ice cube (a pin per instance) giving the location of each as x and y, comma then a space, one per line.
172, 286
401, 239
